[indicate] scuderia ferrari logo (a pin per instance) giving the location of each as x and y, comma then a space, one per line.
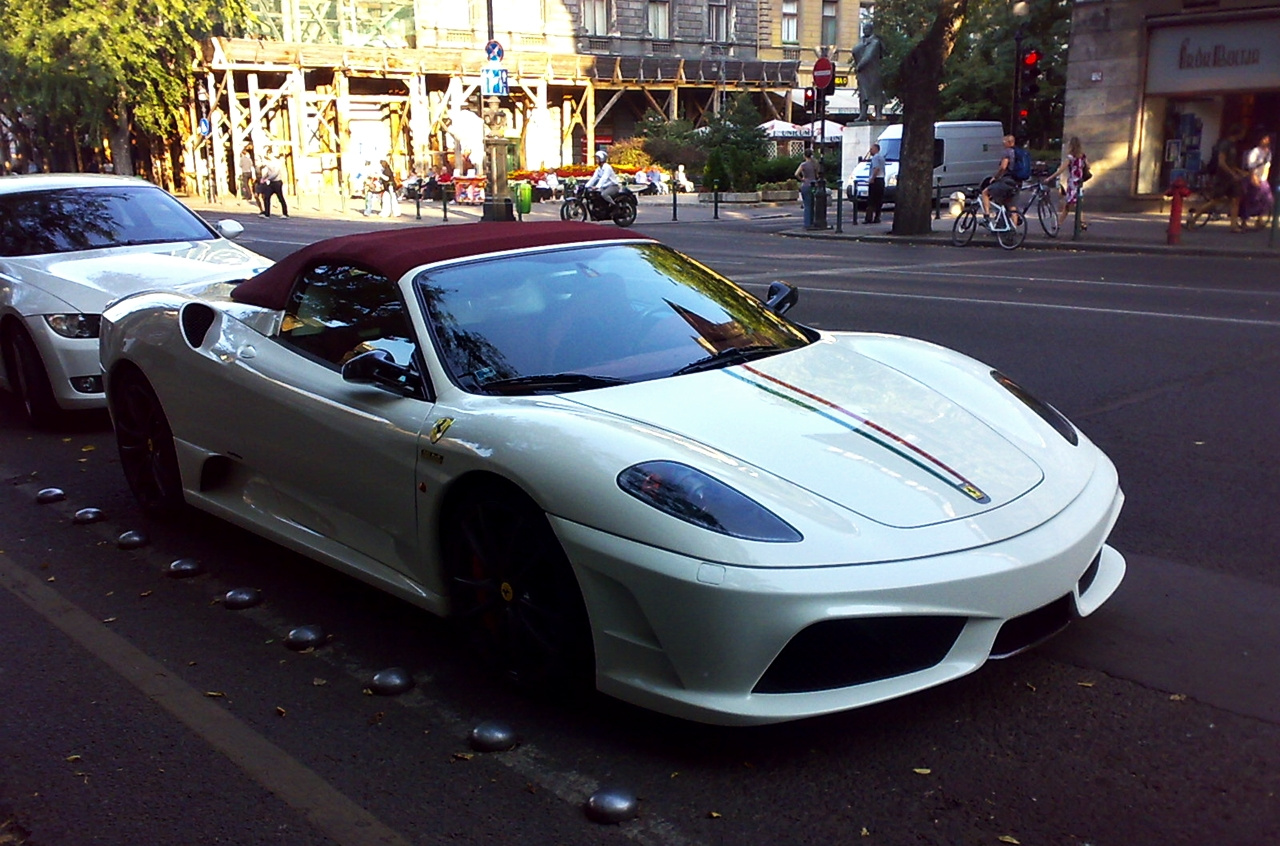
439, 428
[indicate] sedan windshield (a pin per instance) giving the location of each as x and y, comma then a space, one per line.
589, 317
73, 219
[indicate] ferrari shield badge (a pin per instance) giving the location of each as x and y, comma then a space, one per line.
439, 428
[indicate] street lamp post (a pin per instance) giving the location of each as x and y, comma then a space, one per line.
1020, 11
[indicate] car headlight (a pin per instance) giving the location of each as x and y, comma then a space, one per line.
75, 325
1048, 413
892, 181
694, 497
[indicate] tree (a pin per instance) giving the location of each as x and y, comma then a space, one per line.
80, 71
735, 144
915, 72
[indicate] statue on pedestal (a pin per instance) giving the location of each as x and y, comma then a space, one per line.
867, 55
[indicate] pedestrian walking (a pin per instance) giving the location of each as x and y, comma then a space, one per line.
1076, 169
271, 181
807, 173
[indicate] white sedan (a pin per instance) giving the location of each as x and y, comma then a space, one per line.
69, 244
610, 463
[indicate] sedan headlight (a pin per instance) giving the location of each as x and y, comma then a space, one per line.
75, 325
694, 497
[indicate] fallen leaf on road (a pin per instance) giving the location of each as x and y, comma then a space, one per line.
73, 759
1084, 684
462, 756
319, 682
715, 815
280, 712
922, 771
215, 694
1178, 697
1006, 838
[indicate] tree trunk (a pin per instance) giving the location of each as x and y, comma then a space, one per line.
921, 75
121, 148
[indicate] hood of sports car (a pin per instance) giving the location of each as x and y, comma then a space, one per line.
88, 280
843, 426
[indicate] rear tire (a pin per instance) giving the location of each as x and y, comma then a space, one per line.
145, 442
514, 592
625, 213
963, 228
30, 380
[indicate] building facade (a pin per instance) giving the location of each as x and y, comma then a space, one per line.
1153, 84
330, 85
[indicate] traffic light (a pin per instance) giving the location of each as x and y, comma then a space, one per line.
1030, 79
810, 99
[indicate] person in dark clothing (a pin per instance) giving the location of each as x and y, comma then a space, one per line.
875, 188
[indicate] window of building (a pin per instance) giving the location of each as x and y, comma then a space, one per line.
659, 19
595, 16
790, 21
830, 30
718, 20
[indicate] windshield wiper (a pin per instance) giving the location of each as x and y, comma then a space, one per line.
550, 383
729, 357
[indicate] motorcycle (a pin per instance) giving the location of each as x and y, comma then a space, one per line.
586, 204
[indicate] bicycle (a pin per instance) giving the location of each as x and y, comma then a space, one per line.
1010, 229
1042, 197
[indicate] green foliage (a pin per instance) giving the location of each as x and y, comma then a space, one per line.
629, 153
978, 75
671, 143
75, 70
779, 169
736, 145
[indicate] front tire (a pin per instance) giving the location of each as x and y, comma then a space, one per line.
145, 442
30, 380
1048, 216
513, 590
573, 210
962, 230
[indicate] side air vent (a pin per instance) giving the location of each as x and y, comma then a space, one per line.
196, 320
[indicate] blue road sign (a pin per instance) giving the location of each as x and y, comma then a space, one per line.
495, 82
493, 50
205, 128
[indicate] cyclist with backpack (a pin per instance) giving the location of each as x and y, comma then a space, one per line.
1226, 179
1015, 166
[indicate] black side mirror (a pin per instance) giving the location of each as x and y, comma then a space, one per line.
781, 297
379, 368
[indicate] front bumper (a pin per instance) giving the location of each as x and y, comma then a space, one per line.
697, 639
67, 359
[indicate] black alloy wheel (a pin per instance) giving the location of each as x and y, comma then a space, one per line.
145, 442
30, 380
514, 592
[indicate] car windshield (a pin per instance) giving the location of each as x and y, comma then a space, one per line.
589, 317
73, 219
892, 148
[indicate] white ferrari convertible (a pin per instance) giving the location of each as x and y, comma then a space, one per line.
610, 463
71, 243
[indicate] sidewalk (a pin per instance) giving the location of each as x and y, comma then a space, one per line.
1111, 232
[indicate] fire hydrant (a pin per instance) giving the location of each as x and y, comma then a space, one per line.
1177, 191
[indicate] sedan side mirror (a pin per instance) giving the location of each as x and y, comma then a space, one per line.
781, 297
229, 228
379, 369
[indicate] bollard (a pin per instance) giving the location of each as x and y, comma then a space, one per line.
839, 210
1177, 191
937, 199
853, 204
444, 201
674, 193
1075, 232
715, 199
417, 202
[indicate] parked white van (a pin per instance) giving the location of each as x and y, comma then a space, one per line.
964, 153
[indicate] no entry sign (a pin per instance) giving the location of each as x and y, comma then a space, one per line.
823, 72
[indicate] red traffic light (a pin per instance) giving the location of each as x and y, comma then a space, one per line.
1031, 58
1022, 113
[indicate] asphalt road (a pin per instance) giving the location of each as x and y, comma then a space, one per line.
138, 709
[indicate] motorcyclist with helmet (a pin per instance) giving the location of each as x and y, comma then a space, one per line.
604, 179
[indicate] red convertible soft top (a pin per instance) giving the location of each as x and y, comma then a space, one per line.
395, 252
